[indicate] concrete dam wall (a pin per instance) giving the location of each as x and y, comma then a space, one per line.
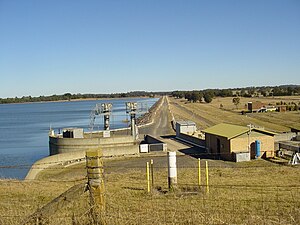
112, 146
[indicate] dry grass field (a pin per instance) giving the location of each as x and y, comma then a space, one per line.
256, 192
206, 115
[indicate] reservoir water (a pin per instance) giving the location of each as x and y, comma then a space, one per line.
24, 128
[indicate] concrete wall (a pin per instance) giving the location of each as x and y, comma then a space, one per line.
289, 146
152, 140
158, 147
241, 156
111, 146
59, 159
155, 144
241, 143
191, 139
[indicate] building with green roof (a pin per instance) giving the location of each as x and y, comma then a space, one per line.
226, 141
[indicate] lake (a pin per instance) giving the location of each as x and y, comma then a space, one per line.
24, 128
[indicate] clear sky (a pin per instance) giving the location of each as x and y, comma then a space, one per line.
92, 46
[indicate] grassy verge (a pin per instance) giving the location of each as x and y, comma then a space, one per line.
256, 192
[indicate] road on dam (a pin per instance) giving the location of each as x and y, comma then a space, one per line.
161, 125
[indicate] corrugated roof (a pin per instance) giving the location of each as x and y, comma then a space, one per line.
230, 131
226, 130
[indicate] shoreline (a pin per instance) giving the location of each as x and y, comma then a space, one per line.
76, 100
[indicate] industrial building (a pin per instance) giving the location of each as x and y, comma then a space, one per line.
239, 143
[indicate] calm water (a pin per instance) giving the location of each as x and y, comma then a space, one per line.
24, 129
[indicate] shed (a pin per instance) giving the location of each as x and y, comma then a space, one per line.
73, 133
281, 108
255, 106
186, 127
225, 140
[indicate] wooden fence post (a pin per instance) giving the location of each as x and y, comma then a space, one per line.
94, 164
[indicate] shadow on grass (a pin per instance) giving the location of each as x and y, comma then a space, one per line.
134, 188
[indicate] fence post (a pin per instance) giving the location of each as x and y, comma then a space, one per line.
148, 176
207, 186
96, 186
199, 173
152, 174
172, 170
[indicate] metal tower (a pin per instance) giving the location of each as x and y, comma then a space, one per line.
104, 109
131, 109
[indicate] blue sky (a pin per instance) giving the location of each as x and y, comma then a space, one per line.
56, 46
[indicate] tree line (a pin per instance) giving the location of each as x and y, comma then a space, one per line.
69, 97
192, 96
208, 94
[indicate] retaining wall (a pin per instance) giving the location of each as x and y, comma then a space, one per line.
59, 159
111, 146
155, 144
191, 139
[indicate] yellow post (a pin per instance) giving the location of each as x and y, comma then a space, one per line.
148, 177
199, 173
206, 167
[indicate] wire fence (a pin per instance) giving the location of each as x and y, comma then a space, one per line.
259, 193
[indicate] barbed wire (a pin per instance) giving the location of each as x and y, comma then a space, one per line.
155, 166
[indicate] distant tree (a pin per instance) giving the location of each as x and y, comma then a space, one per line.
188, 96
236, 101
225, 93
264, 93
243, 92
178, 94
208, 97
196, 96
251, 91
67, 96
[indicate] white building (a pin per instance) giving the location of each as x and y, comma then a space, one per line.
186, 127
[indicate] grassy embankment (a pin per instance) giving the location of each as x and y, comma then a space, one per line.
256, 192
206, 115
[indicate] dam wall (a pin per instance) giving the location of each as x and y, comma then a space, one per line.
59, 159
113, 146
